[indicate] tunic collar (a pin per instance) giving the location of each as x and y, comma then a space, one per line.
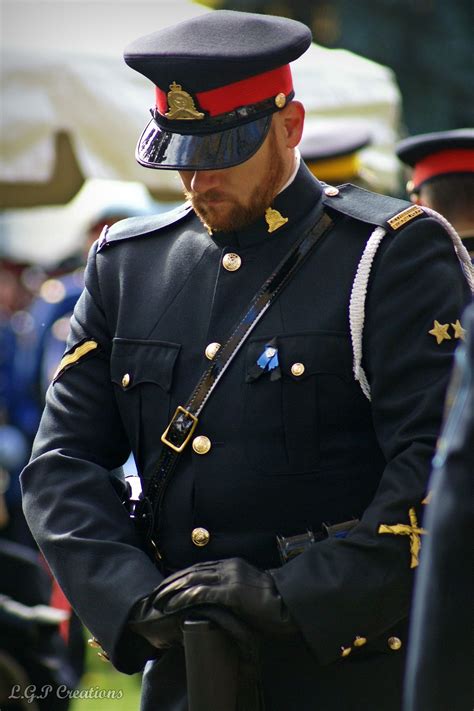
293, 203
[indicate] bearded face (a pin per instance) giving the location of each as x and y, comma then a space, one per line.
231, 199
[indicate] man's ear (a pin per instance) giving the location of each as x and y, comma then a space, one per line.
292, 119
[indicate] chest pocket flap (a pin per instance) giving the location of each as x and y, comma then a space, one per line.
136, 361
305, 354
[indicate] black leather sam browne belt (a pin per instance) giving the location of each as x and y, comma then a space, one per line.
185, 419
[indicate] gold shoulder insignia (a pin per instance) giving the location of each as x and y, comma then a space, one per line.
274, 219
412, 530
181, 105
459, 331
74, 355
404, 216
440, 332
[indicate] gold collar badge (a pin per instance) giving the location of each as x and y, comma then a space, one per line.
274, 219
181, 105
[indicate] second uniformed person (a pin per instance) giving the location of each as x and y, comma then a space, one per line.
275, 353
442, 177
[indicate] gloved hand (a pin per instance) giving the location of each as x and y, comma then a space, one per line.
161, 630
249, 593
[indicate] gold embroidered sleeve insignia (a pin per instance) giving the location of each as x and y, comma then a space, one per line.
412, 530
74, 356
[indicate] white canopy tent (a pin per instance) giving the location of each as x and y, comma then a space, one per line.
62, 73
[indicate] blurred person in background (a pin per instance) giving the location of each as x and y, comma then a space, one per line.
292, 516
35, 334
16, 293
442, 176
332, 153
439, 667
34, 658
40, 342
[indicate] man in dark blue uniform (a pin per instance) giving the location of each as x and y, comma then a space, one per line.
302, 335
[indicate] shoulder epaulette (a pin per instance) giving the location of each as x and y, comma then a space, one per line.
375, 209
142, 225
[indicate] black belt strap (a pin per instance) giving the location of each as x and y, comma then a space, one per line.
184, 421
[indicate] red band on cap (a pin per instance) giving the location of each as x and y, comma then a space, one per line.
239, 93
449, 161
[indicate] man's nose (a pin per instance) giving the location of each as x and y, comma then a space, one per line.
204, 180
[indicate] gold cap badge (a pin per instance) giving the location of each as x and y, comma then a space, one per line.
274, 219
181, 105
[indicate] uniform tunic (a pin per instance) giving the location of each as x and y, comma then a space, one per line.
286, 454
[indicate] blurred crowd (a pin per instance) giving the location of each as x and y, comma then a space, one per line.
42, 641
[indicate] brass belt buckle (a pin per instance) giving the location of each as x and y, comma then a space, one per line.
183, 423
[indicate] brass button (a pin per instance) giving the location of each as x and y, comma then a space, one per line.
200, 537
345, 651
201, 444
331, 191
211, 350
231, 262
280, 100
126, 380
92, 642
360, 641
297, 369
394, 643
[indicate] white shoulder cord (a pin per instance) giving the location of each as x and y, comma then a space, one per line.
361, 280
460, 249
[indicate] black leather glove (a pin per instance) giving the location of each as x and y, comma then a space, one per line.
161, 630
249, 593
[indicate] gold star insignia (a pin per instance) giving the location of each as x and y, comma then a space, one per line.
440, 332
412, 530
459, 331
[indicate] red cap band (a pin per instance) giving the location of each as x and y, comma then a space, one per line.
240, 93
448, 161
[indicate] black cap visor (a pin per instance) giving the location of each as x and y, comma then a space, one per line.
162, 149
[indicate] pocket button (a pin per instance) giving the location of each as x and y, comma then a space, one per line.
126, 380
297, 369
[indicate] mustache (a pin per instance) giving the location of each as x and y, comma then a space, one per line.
203, 198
